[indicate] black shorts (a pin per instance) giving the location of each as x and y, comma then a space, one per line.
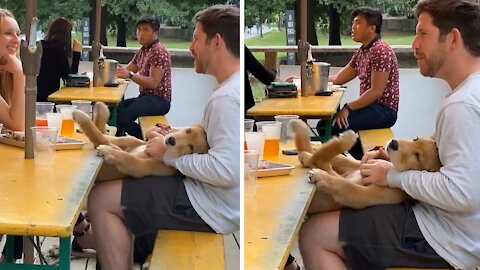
385, 236
159, 202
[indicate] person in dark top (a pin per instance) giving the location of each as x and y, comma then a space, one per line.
59, 58
260, 72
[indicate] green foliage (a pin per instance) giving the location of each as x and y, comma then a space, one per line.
261, 10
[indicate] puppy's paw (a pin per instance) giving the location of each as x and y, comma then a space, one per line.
106, 152
324, 181
304, 158
347, 138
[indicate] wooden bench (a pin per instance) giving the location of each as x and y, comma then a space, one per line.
374, 137
146, 122
184, 249
188, 250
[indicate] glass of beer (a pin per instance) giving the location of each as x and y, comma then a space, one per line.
271, 147
68, 126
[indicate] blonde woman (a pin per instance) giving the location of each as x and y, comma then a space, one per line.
12, 79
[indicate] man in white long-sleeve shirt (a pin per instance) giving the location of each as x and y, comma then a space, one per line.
205, 193
440, 228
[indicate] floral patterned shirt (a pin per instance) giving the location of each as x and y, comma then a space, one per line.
155, 55
378, 56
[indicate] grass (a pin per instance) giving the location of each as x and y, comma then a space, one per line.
169, 43
278, 38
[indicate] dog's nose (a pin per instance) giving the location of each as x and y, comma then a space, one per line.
170, 141
393, 145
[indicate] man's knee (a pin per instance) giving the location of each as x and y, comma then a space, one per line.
105, 195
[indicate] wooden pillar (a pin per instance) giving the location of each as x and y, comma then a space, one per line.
271, 61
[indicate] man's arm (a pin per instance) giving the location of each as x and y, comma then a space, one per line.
221, 165
455, 187
152, 80
124, 71
379, 82
345, 75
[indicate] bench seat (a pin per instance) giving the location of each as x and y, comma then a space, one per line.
188, 250
374, 137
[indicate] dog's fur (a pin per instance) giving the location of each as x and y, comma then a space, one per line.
337, 177
125, 156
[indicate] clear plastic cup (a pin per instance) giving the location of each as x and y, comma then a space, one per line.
44, 140
284, 119
250, 166
41, 110
255, 141
272, 141
248, 125
54, 120
68, 126
83, 105
260, 124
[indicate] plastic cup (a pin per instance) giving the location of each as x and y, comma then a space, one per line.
255, 141
272, 141
83, 105
284, 119
44, 140
68, 126
41, 110
248, 125
261, 123
251, 164
54, 120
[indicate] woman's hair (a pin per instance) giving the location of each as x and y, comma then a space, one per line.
60, 32
6, 80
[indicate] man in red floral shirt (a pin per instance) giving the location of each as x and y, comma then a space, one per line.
150, 68
376, 66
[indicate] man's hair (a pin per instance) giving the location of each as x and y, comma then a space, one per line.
223, 20
372, 15
449, 14
153, 21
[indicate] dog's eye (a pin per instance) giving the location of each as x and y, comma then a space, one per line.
417, 155
416, 139
188, 130
191, 147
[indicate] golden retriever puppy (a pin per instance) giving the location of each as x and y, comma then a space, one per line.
126, 156
337, 177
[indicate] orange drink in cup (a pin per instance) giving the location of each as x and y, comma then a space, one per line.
272, 140
68, 126
41, 110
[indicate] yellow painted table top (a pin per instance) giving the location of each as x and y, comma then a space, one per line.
39, 199
306, 107
147, 122
273, 216
374, 137
109, 95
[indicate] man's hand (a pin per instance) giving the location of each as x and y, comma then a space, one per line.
122, 72
77, 46
375, 171
341, 120
156, 148
375, 154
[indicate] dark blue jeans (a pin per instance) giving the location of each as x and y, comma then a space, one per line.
371, 117
131, 109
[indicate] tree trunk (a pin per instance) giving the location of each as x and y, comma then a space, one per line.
121, 32
333, 26
103, 27
311, 29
